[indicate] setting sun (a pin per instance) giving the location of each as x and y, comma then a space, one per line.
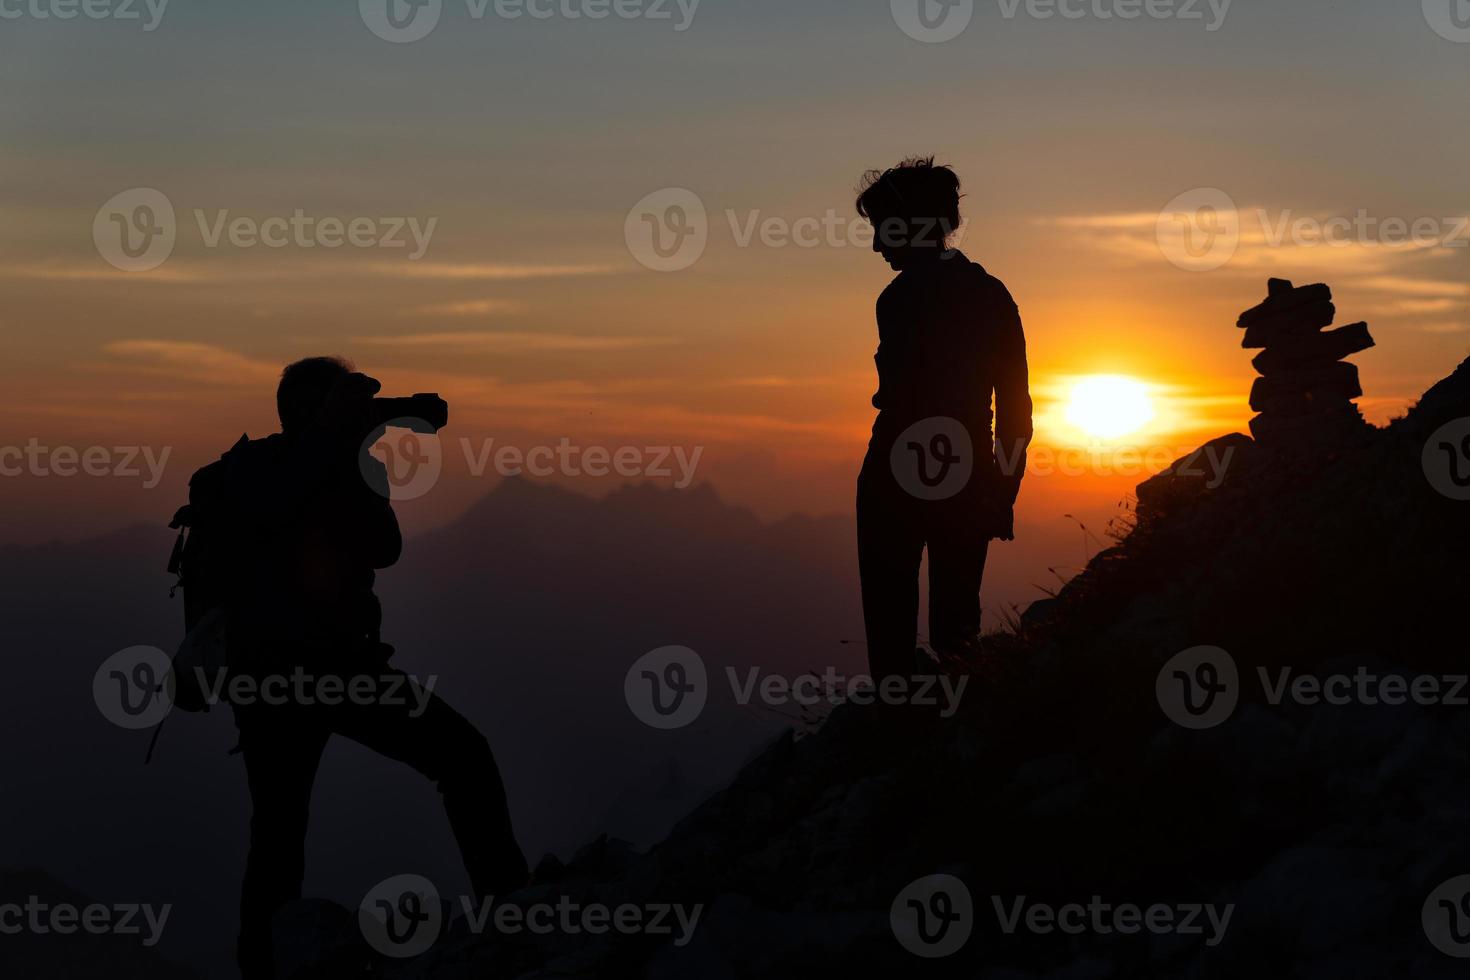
1109, 405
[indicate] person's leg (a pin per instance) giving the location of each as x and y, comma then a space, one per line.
956, 570
890, 552
441, 744
281, 752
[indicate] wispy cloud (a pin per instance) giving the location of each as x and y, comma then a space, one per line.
484, 341
234, 267
1264, 239
193, 360
1417, 287
774, 381
472, 307
96, 272
500, 272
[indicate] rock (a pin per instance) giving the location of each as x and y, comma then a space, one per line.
1306, 391
1327, 428
1311, 387
315, 937
1313, 349
1287, 325
1189, 476
1285, 298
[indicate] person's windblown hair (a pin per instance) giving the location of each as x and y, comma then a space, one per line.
915, 191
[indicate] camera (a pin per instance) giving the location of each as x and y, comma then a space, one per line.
424, 413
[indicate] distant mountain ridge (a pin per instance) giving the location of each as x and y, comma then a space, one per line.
529, 610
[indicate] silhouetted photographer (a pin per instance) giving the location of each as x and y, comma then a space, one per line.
950, 340
286, 535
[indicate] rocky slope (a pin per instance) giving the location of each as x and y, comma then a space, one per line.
1328, 830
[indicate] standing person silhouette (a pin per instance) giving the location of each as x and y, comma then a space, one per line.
303, 519
950, 338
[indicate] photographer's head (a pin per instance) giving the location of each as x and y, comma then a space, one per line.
304, 388
914, 208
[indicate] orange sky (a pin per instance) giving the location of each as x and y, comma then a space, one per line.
526, 147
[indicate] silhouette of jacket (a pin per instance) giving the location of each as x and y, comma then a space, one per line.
949, 335
307, 531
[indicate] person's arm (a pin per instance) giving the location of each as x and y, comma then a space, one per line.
894, 351
1013, 428
881, 358
369, 524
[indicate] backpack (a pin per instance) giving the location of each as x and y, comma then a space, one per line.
200, 564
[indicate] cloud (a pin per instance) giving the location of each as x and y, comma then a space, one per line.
187, 359
472, 307
489, 270
774, 381
101, 273
476, 341
1131, 220
262, 267
1312, 243
1417, 287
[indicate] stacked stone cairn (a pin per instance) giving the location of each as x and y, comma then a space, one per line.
1306, 390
